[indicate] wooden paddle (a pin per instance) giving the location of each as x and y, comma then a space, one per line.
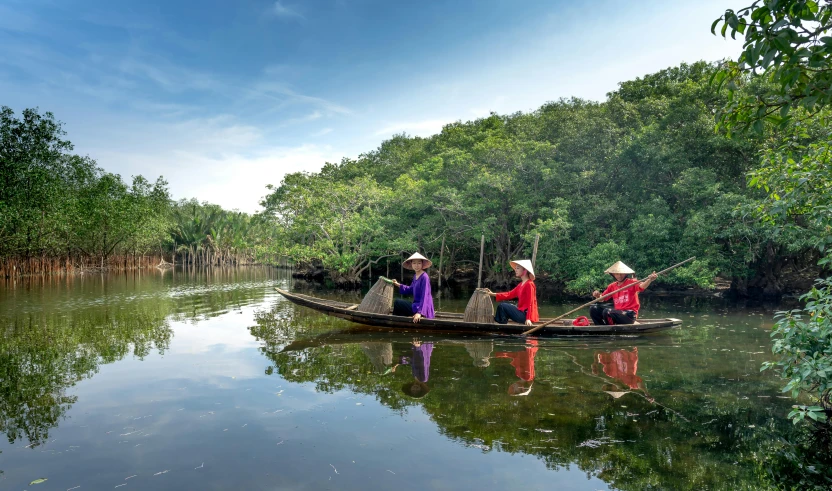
603, 297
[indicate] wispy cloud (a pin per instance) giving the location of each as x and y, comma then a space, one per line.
170, 77
285, 96
323, 132
285, 12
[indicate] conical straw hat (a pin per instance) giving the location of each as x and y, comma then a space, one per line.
615, 395
619, 267
525, 264
517, 389
426, 263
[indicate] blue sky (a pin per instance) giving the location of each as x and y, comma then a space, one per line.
223, 98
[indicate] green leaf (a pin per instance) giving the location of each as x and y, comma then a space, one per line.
37, 481
770, 54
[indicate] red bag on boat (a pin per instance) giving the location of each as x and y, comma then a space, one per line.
580, 321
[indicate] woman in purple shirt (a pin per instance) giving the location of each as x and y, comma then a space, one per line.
422, 304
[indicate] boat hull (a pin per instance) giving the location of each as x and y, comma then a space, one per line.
453, 322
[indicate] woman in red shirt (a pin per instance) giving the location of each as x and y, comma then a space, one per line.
526, 294
625, 303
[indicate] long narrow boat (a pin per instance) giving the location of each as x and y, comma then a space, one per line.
453, 322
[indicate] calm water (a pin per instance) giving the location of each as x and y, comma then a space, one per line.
212, 381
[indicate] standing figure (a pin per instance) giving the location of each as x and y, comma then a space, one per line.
419, 289
526, 294
624, 309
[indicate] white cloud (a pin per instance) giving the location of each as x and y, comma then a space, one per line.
235, 180
280, 10
217, 334
214, 159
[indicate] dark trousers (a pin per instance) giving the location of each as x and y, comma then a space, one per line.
604, 314
506, 311
403, 307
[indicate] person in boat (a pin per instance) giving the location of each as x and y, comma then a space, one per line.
625, 306
526, 294
419, 289
420, 366
523, 363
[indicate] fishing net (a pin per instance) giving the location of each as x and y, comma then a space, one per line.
480, 309
379, 300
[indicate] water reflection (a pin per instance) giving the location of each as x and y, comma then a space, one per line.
523, 363
206, 379
62, 335
622, 366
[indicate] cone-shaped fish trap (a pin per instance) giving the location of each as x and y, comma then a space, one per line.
379, 300
480, 309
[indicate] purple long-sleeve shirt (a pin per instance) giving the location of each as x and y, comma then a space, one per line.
422, 299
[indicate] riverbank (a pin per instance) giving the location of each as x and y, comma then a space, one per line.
792, 284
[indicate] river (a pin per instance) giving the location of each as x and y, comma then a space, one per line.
211, 380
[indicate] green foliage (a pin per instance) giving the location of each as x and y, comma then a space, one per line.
206, 234
592, 266
53, 203
342, 225
788, 43
643, 170
803, 339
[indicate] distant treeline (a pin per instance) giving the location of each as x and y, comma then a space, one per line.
642, 177
61, 212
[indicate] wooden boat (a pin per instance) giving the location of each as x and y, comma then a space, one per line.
452, 322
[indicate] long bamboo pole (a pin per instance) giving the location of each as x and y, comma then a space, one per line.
482, 250
441, 253
534, 251
603, 297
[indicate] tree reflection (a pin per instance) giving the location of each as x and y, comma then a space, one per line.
45, 353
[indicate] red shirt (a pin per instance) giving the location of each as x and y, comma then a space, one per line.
627, 299
526, 295
522, 361
621, 365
